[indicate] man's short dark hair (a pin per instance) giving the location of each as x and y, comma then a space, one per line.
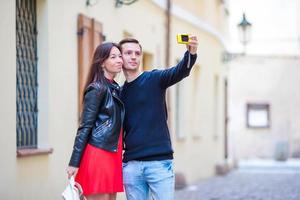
129, 40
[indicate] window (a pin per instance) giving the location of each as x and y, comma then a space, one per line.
31, 79
26, 72
127, 34
195, 109
147, 61
258, 115
180, 132
216, 107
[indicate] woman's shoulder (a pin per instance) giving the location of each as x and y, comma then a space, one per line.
96, 86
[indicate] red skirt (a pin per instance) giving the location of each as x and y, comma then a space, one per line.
100, 171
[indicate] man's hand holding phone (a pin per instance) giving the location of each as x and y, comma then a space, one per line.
192, 45
190, 41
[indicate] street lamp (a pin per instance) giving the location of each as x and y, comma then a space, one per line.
119, 3
245, 31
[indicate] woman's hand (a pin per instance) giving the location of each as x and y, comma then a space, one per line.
72, 171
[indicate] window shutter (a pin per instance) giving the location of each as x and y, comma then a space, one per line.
89, 37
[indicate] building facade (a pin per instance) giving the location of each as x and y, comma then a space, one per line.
263, 107
263, 113
45, 53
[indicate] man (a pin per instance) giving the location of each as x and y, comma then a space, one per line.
148, 156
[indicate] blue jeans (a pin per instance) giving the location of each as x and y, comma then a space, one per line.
144, 178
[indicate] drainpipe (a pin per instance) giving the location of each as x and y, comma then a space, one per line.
167, 61
168, 27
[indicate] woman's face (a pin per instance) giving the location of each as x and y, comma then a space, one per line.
113, 64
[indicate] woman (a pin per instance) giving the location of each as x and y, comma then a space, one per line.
96, 161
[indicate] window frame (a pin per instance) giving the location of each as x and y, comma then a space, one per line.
258, 107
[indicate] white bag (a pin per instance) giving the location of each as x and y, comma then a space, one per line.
73, 191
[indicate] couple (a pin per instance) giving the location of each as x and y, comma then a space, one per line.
96, 161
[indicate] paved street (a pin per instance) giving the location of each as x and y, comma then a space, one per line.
247, 184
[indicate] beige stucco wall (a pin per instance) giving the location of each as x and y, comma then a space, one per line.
43, 176
201, 130
212, 12
8, 96
272, 80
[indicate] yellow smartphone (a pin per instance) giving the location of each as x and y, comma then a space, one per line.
182, 38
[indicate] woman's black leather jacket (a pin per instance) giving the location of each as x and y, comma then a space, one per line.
101, 120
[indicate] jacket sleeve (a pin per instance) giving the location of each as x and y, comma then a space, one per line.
169, 77
91, 106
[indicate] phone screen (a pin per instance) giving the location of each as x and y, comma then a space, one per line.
185, 38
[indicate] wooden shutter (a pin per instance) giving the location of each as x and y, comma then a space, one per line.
89, 37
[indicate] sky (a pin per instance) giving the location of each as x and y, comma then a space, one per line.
275, 26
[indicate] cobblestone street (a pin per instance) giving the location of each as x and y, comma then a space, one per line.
246, 185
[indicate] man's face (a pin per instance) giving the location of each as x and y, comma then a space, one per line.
131, 53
